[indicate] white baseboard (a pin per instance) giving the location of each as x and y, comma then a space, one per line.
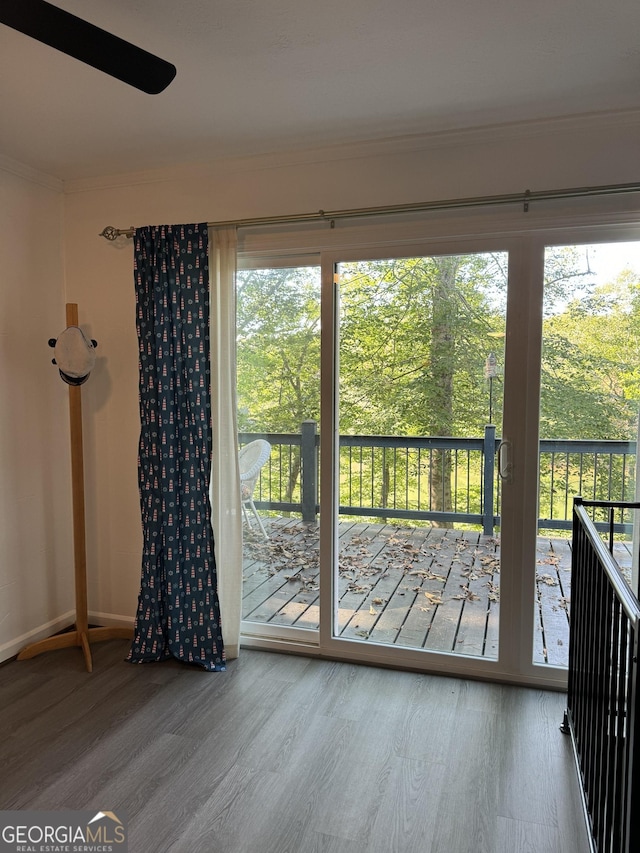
108, 620
12, 647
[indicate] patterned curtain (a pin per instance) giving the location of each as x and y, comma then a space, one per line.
178, 610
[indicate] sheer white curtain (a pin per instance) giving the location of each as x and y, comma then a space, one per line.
225, 480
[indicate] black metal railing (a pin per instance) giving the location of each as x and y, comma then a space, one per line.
602, 709
441, 479
408, 477
594, 470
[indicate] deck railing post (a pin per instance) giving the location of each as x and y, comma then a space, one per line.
488, 455
308, 469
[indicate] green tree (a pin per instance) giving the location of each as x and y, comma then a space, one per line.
591, 364
278, 348
415, 334
278, 355
414, 337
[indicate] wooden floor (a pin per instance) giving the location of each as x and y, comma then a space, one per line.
288, 754
429, 588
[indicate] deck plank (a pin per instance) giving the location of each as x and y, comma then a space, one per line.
477, 604
397, 607
391, 563
552, 599
288, 568
432, 588
360, 567
425, 583
445, 623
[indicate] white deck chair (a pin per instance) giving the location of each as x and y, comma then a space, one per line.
251, 458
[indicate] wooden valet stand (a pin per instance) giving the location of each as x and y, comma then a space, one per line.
82, 635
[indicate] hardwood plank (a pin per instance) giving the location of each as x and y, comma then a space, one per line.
526, 837
409, 814
539, 742
539, 648
468, 803
287, 753
214, 823
275, 583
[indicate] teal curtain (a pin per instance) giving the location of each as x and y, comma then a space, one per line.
178, 611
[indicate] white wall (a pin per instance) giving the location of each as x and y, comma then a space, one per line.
588, 151
36, 546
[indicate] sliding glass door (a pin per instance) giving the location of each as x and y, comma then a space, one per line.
278, 358
419, 352
430, 414
589, 402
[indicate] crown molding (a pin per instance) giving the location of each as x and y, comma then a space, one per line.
386, 146
20, 170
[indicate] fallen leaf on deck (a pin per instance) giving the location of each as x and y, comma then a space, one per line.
469, 573
466, 595
429, 575
354, 587
434, 597
494, 591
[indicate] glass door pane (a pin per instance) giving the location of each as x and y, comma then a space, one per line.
278, 382
590, 397
421, 355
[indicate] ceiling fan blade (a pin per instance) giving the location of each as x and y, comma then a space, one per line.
88, 43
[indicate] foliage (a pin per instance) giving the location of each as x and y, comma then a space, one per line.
414, 337
590, 384
278, 334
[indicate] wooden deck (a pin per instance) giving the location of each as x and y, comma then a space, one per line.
428, 588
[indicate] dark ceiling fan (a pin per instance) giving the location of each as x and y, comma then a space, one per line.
88, 43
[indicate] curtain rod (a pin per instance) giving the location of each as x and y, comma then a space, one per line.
111, 233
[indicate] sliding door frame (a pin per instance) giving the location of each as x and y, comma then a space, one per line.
515, 641
525, 238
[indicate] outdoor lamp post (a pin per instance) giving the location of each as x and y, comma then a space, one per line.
490, 373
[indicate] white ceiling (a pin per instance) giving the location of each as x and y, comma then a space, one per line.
258, 76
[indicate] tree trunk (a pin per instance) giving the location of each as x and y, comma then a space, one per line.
384, 491
443, 351
292, 482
